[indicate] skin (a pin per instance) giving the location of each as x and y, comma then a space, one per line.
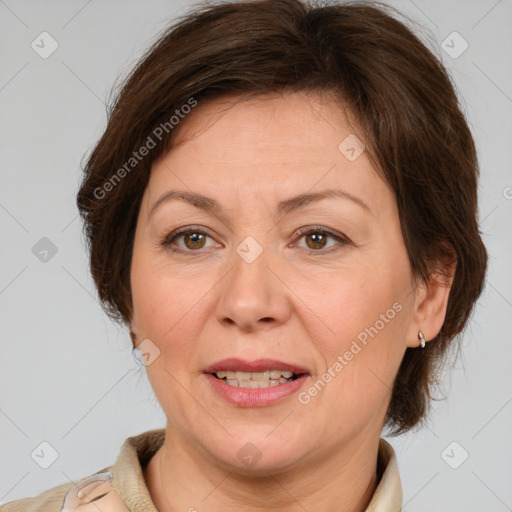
296, 302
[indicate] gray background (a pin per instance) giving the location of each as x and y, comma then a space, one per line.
67, 376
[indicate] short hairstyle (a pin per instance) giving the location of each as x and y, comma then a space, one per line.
405, 107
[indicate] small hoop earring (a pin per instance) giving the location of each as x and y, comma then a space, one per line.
423, 341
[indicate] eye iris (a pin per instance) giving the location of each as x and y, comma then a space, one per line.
317, 238
197, 240
314, 240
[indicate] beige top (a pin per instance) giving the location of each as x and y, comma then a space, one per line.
128, 482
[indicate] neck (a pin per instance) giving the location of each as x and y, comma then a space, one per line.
179, 478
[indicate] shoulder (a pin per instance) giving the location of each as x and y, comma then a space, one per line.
48, 501
123, 480
51, 500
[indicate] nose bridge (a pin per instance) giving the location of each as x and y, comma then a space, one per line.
251, 294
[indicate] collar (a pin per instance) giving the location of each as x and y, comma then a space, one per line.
128, 480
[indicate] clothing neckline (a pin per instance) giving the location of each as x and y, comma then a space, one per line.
137, 451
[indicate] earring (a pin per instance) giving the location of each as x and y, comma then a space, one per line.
421, 336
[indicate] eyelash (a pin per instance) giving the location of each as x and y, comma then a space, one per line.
166, 242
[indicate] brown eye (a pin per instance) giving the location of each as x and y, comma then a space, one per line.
188, 240
318, 240
194, 240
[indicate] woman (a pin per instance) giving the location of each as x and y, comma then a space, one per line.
283, 210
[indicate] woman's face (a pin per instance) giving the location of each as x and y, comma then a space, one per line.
257, 278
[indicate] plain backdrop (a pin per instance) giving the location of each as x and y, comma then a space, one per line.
67, 375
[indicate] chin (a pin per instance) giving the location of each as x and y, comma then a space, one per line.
255, 452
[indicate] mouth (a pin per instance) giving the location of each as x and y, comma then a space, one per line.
254, 380
261, 373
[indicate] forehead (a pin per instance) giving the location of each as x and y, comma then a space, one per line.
273, 146
275, 122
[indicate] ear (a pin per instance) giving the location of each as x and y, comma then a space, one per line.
431, 300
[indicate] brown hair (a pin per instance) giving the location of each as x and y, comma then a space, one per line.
405, 107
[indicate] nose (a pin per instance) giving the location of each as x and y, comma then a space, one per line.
254, 294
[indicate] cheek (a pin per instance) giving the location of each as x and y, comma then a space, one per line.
168, 304
366, 313
169, 309
360, 360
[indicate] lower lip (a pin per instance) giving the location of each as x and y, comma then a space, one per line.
258, 397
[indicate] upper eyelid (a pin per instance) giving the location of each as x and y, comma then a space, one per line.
299, 233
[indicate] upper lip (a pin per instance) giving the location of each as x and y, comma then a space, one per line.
259, 365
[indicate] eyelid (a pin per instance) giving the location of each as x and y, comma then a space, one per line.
314, 229
167, 239
342, 240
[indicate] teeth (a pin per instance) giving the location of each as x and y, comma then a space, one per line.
243, 376
255, 384
255, 380
254, 376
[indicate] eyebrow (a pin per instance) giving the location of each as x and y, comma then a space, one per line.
284, 207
